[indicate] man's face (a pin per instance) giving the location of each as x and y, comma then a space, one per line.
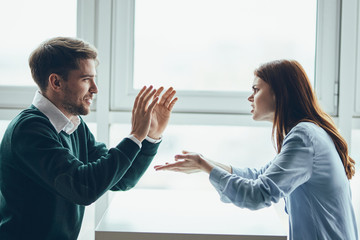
78, 90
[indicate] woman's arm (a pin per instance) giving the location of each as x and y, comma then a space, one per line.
291, 168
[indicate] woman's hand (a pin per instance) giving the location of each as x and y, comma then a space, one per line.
188, 162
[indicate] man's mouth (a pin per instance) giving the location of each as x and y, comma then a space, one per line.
88, 100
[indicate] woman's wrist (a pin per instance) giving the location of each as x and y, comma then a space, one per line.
207, 167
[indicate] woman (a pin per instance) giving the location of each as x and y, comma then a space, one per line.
311, 170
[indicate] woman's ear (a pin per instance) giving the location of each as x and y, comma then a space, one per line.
55, 82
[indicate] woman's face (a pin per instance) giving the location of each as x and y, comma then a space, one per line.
262, 101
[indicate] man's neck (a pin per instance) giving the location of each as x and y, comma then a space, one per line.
53, 98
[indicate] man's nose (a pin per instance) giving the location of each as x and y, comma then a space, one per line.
93, 88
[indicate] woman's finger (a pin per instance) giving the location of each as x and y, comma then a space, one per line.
168, 166
181, 156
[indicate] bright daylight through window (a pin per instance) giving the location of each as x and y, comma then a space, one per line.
215, 45
24, 25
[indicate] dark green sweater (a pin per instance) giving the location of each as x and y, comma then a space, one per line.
47, 178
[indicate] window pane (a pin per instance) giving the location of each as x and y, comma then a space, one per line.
217, 44
24, 25
234, 145
3, 125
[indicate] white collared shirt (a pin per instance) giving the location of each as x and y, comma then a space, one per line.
62, 123
56, 117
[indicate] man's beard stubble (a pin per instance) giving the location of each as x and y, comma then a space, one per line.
71, 107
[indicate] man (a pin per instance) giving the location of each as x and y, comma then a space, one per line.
50, 164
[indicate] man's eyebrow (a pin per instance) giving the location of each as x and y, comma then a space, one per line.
87, 75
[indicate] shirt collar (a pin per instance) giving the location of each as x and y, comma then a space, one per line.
56, 117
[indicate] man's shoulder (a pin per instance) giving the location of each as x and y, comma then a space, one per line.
29, 117
30, 113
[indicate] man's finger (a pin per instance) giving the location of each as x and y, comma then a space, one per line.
136, 102
152, 105
168, 99
171, 105
165, 95
158, 92
144, 96
146, 100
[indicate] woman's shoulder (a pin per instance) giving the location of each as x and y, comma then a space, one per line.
309, 127
307, 130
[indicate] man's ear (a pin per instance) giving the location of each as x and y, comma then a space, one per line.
55, 82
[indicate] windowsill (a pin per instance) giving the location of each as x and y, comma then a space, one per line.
169, 214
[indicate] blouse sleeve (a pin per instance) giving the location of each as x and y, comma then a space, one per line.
250, 173
290, 168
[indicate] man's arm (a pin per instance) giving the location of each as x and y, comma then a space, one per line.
138, 167
159, 120
41, 156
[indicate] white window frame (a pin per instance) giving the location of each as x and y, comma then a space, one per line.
348, 68
327, 54
357, 93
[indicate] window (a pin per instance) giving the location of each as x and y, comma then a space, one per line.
32, 22
209, 45
357, 93
208, 50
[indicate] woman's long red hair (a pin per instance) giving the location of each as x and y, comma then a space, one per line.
296, 102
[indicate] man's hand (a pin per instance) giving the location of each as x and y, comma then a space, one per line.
142, 112
161, 114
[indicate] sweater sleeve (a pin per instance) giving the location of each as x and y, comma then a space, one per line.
42, 157
290, 168
138, 167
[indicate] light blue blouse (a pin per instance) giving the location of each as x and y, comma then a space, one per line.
309, 175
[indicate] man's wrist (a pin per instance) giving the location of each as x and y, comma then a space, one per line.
153, 140
135, 140
154, 136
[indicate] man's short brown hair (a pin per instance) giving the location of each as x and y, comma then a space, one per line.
58, 55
